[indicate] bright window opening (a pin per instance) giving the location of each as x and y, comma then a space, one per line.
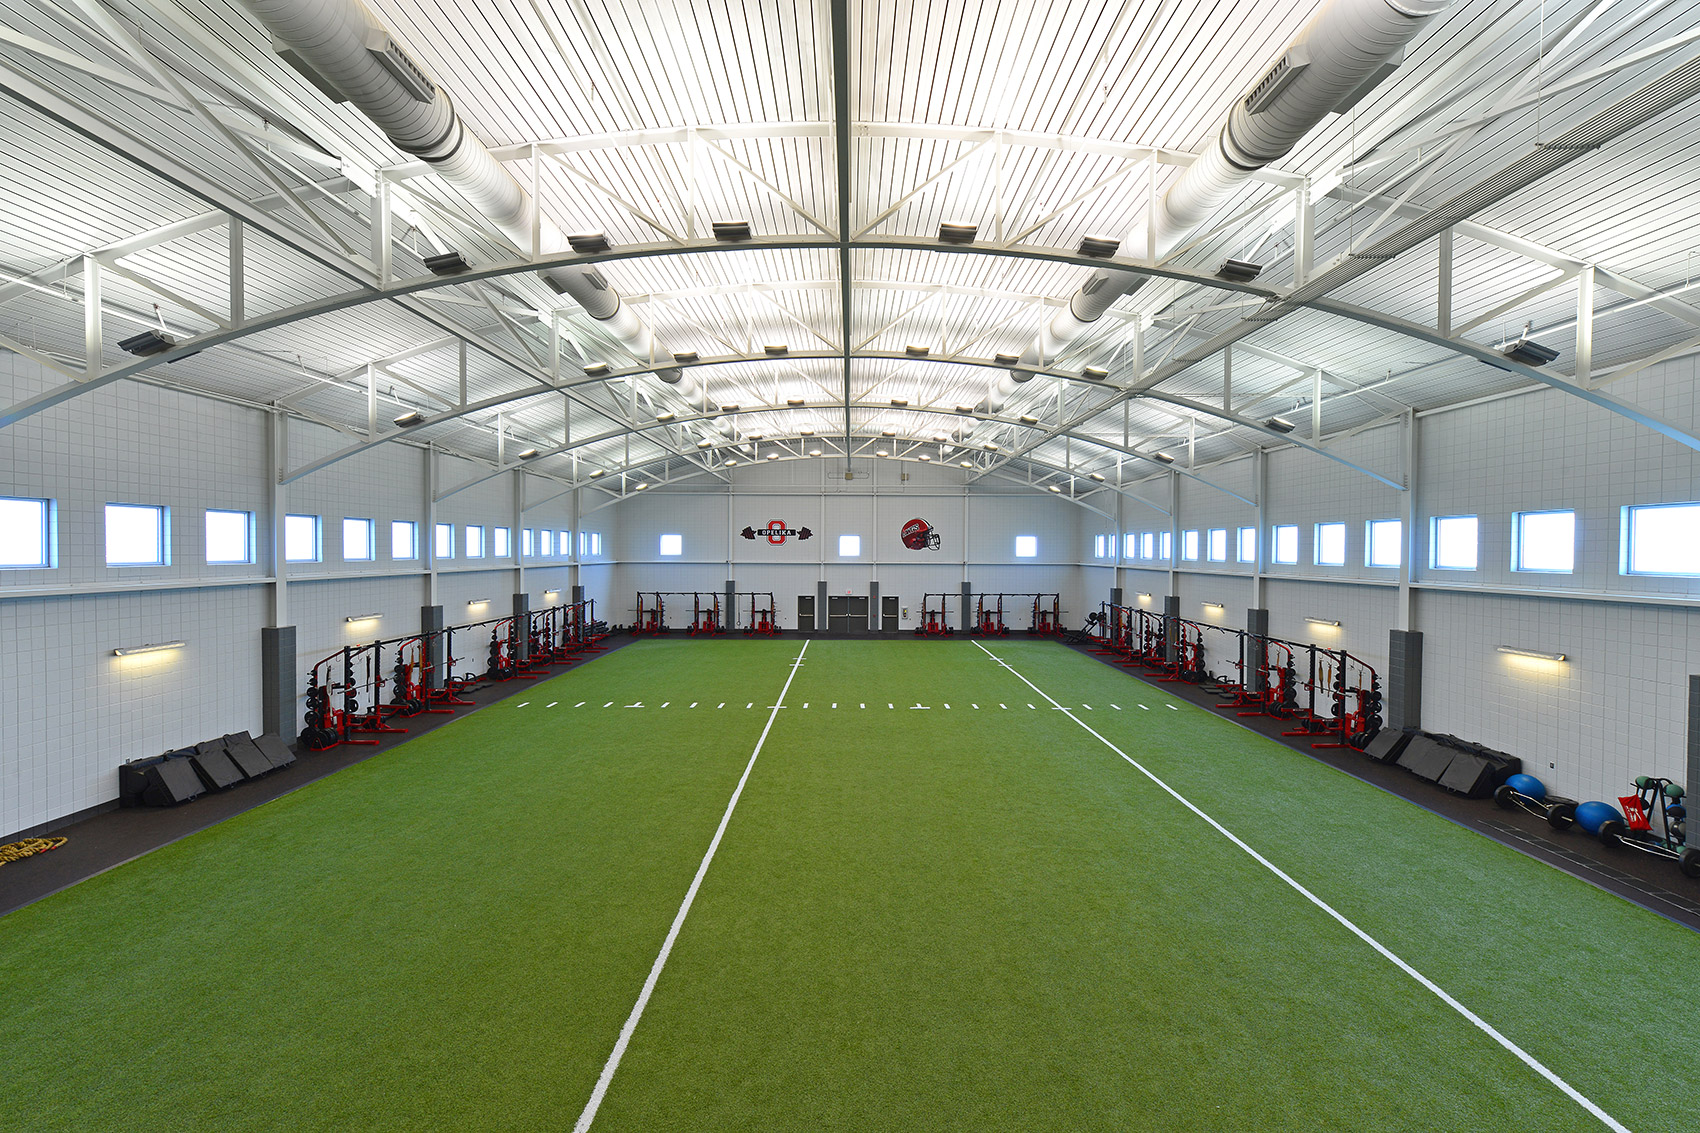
1189, 545
545, 542
589, 543
850, 546
1218, 545
1545, 541
528, 542
1166, 545
1455, 546
1147, 545
230, 537
564, 543
1331, 544
445, 541
135, 535
1383, 546
474, 541
404, 540
499, 542
1026, 546
301, 539
357, 541
26, 533
672, 544
1662, 539
1248, 544
1286, 549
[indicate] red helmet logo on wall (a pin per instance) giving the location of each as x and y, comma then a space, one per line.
919, 535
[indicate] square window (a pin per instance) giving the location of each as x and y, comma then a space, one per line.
1286, 544
1661, 539
474, 541
444, 546
301, 539
1218, 547
357, 540
528, 542
1454, 542
1147, 545
499, 542
1331, 544
1026, 546
404, 540
1248, 544
230, 536
545, 542
1544, 541
26, 533
850, 546
1166, 546
672, 544
136, 535
1189, 546
1383, 546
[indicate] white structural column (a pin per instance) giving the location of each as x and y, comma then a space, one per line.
277, 453
428, 537
1404, 618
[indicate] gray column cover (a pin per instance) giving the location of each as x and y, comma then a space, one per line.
873, 606
430, 621
820, 606
729, 612
1257, 622
967, 619
522, 627
1116, 596
1404, 680
278, 681
1171, 626
1693, 783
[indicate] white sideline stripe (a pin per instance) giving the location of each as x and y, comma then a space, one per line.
552, 704
1483, 1025
610, 704
522, 704
581, 704
613, 1063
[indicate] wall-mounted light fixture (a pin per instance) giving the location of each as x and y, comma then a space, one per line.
1536, 653
551, 594
1214, 606
478, 601
1145, 597
362, 617
133, 650
1323, 622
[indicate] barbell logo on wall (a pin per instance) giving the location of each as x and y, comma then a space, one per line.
919, 535
776, 532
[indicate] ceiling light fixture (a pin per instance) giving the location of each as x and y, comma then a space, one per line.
1239, 271
528, 454
900, 403
1029, 419
796, 402
917, 351
447, 263
684, 356
595, 472
1162, 458
881, 452
731, 231
1279, 424
1099, 247
1098, 476
1094, 373
642, 484
665, 417
1006, 359
596, 369
925, 456
777, 351
588, 242
147, 343
966, 463
989, 447
958, 233
409, 419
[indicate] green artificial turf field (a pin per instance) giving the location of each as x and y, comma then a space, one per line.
953, 908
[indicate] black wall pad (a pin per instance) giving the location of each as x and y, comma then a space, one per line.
172, 781
275, 750
1693, 783
1388, 745
252, 761
1426, 759
133, 779
278, 679
217, 770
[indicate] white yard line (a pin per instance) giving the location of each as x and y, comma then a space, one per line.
613, 1063
1482, 1024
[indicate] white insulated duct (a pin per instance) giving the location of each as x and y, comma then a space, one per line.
1339, 56
343, 50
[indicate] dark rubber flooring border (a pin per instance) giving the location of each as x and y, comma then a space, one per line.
1652, 883
113, 837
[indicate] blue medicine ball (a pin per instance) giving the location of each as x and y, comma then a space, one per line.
1589, 816
1528, 785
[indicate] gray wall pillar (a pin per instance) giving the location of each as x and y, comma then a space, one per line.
1171, 627
821, 621
431, 621
967, 620
1116, 596
729, 613
522, 627
1693, 783
1404, 698
1256, 622
278, 681
873, 606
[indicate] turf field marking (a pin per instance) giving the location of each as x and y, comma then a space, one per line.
610, 704
1142, 708
581, 704
665, 703
523, 704
921, 707
1088, 707
751, 704
864, 706
947, 706
1117, 707
1030, 706
639, 704
1004, 706
613, 1063
1481, 1024
693, 704
1171, 708
552, 704
976, 706
805, 704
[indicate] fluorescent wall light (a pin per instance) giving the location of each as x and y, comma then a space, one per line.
362, 617
1145, 596
1536, 653
133, 650
478, 601
1214, 606
1323, 622
551, 594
